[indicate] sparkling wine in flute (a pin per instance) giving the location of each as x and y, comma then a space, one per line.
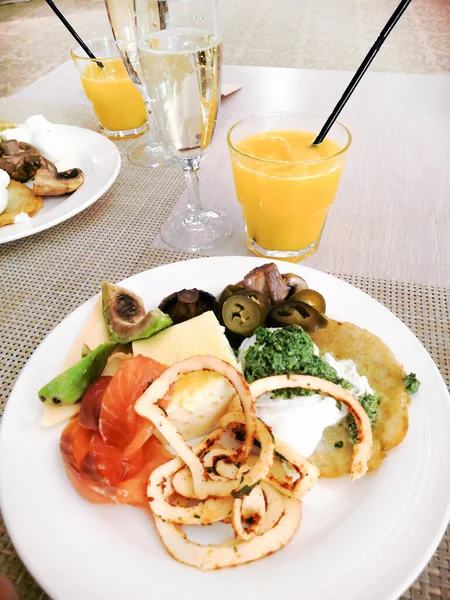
122, 18
181, 68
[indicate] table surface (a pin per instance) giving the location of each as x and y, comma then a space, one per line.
391, 221
391, 218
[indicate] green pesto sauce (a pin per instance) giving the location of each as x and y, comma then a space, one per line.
284, 351
371, 404
412, 384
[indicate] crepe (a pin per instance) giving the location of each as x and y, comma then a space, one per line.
385, 374
6, 125
20, 200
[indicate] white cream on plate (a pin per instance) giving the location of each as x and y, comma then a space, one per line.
21, 134
21, 218
42, 134
300, 421
4, 182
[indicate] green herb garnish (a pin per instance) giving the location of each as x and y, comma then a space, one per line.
286, 351
371, 404
244, 491
339, 444
412, 384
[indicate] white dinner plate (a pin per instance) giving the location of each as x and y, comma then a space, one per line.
99, 160
369, 539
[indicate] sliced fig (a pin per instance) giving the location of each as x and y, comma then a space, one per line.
126, 318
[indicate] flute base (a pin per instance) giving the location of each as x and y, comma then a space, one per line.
197, 231
151, 155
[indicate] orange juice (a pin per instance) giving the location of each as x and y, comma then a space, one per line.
117, 102
285, 187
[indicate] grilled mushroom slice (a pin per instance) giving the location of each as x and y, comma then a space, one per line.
48, 183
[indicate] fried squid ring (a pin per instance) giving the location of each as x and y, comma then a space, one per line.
274, 507
160, 489
306, 473
232, 552
161, 386
250, 508
362, 450
147, 407
248, 474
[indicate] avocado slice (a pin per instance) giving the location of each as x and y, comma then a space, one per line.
69, 387
125, 315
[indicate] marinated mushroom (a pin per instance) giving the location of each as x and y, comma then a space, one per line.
21, 164
294, 312
187, 304
49, 183
267, 280
9, 147
294, 282
22, 161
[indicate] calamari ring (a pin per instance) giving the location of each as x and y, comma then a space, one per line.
274, 507
307, 471
161, 386
160, 489
252, 506
232, 552
362, 450
186, 483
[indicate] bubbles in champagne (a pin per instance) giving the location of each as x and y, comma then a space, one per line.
181, 69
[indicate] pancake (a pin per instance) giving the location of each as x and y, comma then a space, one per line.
385, 374
20, 200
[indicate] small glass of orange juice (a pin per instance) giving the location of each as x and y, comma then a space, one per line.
285, 185
116, 101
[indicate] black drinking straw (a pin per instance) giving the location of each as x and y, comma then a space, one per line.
361, 70
71, 30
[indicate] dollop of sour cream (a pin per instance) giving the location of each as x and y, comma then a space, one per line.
300, 421
4, 182
42, 134
21, 218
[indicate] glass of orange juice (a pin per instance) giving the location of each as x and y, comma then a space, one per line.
284, 184
116, 101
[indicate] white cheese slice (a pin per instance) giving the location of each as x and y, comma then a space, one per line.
54, 415
199, 399
93, 333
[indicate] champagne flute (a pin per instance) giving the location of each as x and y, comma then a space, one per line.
180, 57
122, 19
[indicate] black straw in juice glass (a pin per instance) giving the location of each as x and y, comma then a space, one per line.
361, 70
71, 30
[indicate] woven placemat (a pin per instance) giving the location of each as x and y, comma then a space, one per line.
46, 276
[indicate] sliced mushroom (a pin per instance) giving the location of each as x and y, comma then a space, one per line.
9, 147
21, 167
22, 161
47, 183
267, 280
187, 304
294, 282
48, 166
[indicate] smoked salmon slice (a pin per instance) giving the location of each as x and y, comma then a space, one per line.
91, 403
108, 450
118, 420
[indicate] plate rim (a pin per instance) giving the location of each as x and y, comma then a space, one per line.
426, 554
76, 210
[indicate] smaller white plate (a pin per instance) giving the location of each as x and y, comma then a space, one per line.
99, 160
